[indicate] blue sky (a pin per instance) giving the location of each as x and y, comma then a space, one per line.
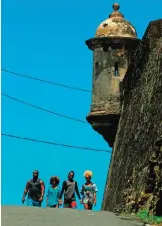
46, 39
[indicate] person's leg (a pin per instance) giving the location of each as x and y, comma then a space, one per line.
36, 203
29, 202
85, 206
67, 204
90, 206
54, 206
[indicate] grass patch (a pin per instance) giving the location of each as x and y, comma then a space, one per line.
143, 215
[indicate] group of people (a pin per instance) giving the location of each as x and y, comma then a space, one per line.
35, 191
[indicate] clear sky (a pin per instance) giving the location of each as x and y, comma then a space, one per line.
46, 39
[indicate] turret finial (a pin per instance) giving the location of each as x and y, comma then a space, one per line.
116, 13
116, 6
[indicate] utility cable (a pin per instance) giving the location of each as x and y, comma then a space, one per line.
53, 143
42, 109
45, 81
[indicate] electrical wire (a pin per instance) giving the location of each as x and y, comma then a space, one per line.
42, 109
53, 143
45, 81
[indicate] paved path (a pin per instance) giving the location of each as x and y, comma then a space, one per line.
33, 216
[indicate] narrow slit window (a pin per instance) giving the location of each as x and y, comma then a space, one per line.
96, 65
116, 69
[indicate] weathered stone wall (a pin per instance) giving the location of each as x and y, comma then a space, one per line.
136, 161
111, 57
106, 81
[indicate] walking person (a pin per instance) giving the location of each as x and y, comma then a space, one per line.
53, 193
69, 188
88, 191
35, 189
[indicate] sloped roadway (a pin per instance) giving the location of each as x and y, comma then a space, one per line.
32, 216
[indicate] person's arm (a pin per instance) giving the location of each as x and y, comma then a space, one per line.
25, 191
47, 197
58, 194
42, 190
82, 190
77, 191
62, 190
95, 196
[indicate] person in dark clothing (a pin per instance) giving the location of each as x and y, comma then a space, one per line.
35, 189
69, 187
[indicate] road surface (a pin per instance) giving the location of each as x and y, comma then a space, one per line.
34, 216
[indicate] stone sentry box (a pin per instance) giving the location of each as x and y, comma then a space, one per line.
112, 47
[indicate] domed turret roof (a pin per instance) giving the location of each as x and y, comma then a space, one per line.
116, 26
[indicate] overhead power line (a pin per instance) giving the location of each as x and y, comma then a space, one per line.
45, 81
53, 143
42, 109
